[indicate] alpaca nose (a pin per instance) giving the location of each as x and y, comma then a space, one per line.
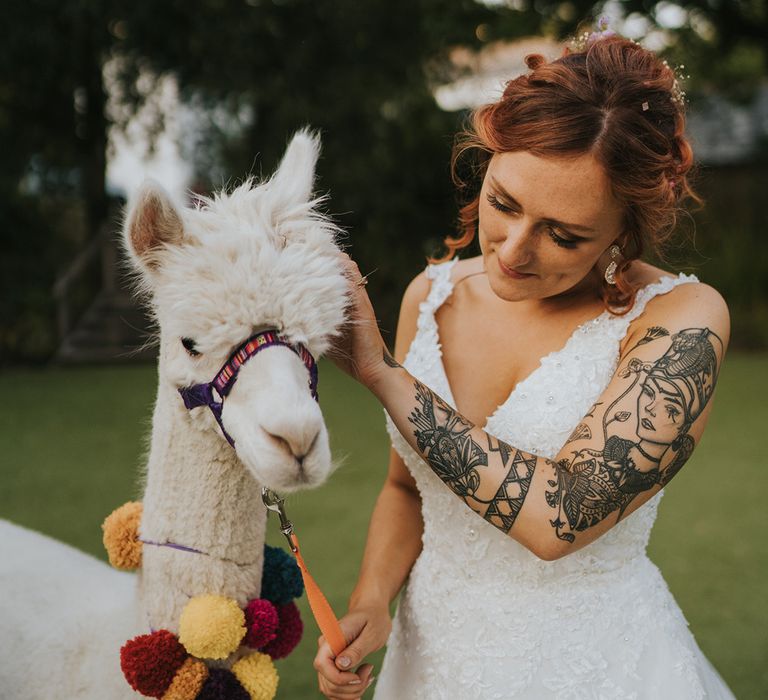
297, 445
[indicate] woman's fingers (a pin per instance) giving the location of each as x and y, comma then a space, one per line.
335, 676
325, 666
352, 690
358, 350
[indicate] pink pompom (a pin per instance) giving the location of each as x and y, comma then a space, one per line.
289, 632
261, 621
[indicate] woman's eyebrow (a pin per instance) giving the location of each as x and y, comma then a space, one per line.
506, 195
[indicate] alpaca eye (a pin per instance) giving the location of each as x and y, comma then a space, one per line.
189, 346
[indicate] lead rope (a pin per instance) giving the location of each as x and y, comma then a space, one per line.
318, 603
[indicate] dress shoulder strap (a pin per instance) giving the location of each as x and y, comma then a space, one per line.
662, 286
442, 285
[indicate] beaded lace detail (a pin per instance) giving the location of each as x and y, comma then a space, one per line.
481, 616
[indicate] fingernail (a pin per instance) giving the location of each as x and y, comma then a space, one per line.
371, 680
344, 662
355, 682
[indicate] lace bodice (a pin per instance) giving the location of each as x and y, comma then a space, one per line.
538, 416
482, 617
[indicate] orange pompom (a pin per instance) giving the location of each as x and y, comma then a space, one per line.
121, 536
188, 681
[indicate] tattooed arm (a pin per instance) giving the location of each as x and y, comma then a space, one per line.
636, 437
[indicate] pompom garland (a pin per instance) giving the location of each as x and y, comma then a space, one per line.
222, 685
150, 662
258, 676
188, 681
211, 626
281, 579
289, 632
160, 665
261, 621
121, 536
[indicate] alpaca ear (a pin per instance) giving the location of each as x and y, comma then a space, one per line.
292, 183
152, 223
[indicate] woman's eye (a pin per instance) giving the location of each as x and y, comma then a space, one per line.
496, 204
672, 412
189, 346
559, 240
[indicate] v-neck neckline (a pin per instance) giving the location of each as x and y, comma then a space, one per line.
449, 390
593, 322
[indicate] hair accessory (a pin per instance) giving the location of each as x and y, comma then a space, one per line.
678, 94
586, 39
610, 271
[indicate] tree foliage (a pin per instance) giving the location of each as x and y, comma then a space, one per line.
361, 72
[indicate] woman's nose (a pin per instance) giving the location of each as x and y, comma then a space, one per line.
516, 248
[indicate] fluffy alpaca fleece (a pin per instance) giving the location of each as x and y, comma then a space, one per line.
259, 257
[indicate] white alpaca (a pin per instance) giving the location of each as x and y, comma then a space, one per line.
261, 257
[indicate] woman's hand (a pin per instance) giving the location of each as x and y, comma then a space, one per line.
360, 349
368, 629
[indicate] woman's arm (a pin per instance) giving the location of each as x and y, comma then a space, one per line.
392, 546
394, 540
635, 438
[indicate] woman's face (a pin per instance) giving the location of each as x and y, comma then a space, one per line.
660, 412
545, 223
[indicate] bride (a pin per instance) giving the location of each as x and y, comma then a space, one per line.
540, 397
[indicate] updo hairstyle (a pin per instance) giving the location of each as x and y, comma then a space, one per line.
613, 99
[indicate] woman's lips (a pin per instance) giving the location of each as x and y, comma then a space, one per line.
509, 272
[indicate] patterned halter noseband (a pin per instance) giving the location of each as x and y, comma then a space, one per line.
203, 394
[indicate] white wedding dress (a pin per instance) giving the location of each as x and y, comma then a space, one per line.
481, 618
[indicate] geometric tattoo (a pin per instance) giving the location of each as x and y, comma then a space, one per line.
506, 504
444, 438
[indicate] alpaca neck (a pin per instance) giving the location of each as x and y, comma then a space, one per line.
198, 494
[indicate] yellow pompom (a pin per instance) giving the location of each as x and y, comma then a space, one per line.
211, 626
258, 675
121, 536
188, 681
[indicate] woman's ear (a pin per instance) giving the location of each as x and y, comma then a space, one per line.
152, 223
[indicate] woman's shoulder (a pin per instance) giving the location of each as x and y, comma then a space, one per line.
683, 292
677, 302
455, 270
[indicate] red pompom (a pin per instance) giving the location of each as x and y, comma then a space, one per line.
289, 632
150, 661
261, 621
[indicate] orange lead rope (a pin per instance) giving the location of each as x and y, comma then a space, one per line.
321, 608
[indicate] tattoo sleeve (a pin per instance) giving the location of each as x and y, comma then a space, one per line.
633, 441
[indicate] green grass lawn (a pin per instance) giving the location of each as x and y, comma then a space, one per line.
73, 442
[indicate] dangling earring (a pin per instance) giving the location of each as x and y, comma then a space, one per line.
610, 271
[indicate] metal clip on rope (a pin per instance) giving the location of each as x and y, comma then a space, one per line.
276, 504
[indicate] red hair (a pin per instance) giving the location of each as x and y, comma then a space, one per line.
615, 100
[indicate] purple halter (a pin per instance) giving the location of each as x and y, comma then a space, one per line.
202, 394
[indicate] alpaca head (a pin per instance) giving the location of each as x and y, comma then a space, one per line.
261, 257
